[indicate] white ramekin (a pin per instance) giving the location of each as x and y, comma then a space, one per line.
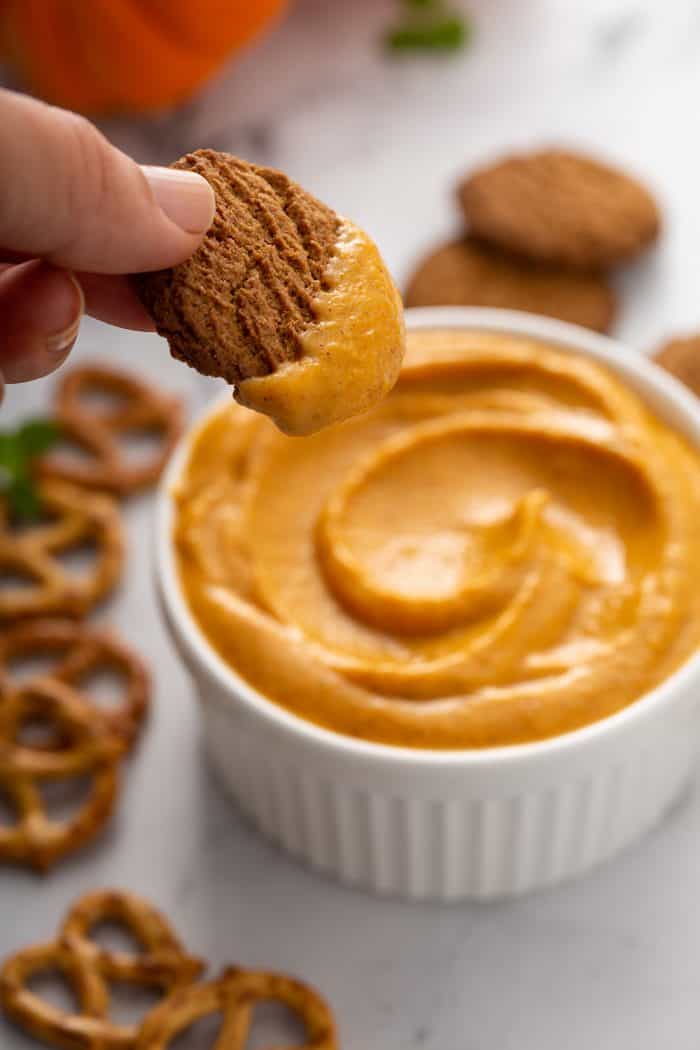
449, 825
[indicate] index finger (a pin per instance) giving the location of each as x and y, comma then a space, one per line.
71, 198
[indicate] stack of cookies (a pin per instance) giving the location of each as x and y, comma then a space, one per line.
542, 233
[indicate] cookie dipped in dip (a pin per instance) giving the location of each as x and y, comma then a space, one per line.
286, 300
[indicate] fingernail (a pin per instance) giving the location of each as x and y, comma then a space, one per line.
185, 197
62, 316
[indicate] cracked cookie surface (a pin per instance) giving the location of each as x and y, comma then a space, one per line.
466, 272
238, 306
560, 207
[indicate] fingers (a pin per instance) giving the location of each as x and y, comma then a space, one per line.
110, 298
40, 311
71, 198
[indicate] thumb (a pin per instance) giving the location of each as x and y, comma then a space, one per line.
71, 198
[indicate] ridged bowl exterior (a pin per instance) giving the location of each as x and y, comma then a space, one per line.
448, 825
399, 834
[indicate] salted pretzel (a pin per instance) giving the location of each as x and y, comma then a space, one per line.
72, 517
88, 968
235, 995
84, 750
78, 651
138, 408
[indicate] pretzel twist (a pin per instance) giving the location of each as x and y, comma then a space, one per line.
83, 750
88, 968
163, 962
78, 652
235, 995
139, 408
75, 517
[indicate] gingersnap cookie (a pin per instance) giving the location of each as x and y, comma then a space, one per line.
468, 273
560, 207
681, 357
284, 299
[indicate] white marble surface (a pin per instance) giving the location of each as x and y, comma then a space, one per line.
612, 961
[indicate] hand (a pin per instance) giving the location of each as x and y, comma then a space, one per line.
76, 215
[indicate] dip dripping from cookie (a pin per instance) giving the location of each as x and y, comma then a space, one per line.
286, 300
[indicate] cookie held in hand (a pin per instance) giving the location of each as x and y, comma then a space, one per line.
284, 299
560, 207
466, 272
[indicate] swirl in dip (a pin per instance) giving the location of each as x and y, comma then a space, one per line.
507, 548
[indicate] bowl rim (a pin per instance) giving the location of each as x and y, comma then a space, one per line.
633, 365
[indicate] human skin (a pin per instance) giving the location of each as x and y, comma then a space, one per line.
76, 216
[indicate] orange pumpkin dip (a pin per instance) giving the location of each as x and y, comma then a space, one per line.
503, 550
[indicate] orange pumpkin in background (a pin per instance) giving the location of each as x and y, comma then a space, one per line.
118, 56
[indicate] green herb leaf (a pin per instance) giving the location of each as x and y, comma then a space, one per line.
423, 4
9, 452
450, 34
38, 436
17, 450
24, 498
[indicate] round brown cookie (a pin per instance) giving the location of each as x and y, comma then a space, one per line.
235, 309
560, 207
681, 357
468, 273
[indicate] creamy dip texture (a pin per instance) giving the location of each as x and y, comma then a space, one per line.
504, 549
351, 353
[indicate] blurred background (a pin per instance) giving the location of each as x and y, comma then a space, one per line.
382, 134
